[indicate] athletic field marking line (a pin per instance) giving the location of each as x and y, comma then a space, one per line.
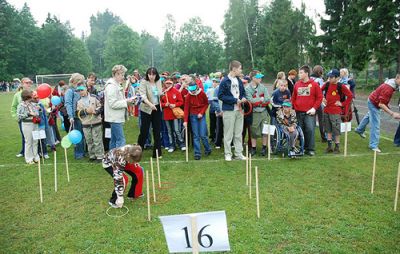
220, 160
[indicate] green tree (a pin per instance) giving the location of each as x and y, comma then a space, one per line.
122, 47
199, 48
152, 51
169, 44
77, 58
99, 27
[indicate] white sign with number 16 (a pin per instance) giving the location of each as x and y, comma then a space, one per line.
212, 232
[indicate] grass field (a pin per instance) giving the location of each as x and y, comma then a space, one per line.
309, 205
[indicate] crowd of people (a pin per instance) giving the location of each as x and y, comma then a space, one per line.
166, 104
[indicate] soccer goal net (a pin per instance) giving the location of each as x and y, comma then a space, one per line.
52, 79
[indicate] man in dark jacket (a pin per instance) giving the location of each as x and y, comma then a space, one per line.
231, 93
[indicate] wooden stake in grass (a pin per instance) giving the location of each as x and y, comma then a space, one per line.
158, 169
397, 188
257, 197
55, 171
148, 196
66, 162
195, 243
373, 173
269, 145
247, 165
250, 176
187, 144
40, 182
152, 179
41, 149
345, 142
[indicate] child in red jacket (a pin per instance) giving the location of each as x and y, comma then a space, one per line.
196, 104
172, 99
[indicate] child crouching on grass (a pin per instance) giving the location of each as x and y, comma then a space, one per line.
120, 160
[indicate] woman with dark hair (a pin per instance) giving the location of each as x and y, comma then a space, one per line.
150, 91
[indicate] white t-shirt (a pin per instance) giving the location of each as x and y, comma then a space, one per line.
235, 89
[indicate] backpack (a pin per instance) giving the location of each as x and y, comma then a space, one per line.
347, 114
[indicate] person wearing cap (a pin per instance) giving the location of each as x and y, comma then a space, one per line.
172, 99
26, 84
286, 118
378, 100
306, 99
232, 94
196, 104
257, 95
336, 97
89, 111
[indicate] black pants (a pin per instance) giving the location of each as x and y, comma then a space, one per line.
213, 125
219, 131
106, 141
131, 192
155, 120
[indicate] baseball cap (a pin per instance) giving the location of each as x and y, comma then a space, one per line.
81, 88
259, 75
333, 73
287, 104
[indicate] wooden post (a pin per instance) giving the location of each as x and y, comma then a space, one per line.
158, 169
195, 244
250, 176
41, 148
148, 196
152, 179
397, 188
66, 162
257, 197
247, 165
55, 171
373, 173
345, 141
187, 144
269, 143
40, 182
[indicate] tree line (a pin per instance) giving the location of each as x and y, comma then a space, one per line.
275, 37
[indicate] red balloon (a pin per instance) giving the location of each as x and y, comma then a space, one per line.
43, 91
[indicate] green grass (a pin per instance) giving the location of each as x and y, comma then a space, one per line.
309, 205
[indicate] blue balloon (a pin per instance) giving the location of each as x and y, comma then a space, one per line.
55, 100
75, 136
62, 126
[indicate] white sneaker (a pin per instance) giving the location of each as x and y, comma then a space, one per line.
19, 155
217, 147
183, 148
376, 150
171, 150
46, 156
241, 157
228, 157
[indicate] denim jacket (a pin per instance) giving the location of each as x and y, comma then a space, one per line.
71, 100
225, 95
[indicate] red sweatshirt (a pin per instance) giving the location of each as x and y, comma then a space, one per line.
174, 97
306, 95
195, 104
382, 94
332, 95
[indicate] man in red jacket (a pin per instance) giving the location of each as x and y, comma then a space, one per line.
307, 97
337, 96
377, 100
196, 104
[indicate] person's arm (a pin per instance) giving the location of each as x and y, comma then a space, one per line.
204, 101
349, 96
14, 106
69, 104
179, 100
318, 97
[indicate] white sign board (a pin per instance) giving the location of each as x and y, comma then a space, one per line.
345, 126
107, 133
268, 129
40, 134
212, 232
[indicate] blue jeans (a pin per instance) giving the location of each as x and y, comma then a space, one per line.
199, 129
397, 137
117, 135
373, 117
23, 138
79, 149
307, 124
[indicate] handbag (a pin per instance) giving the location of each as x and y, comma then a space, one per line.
177, 111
